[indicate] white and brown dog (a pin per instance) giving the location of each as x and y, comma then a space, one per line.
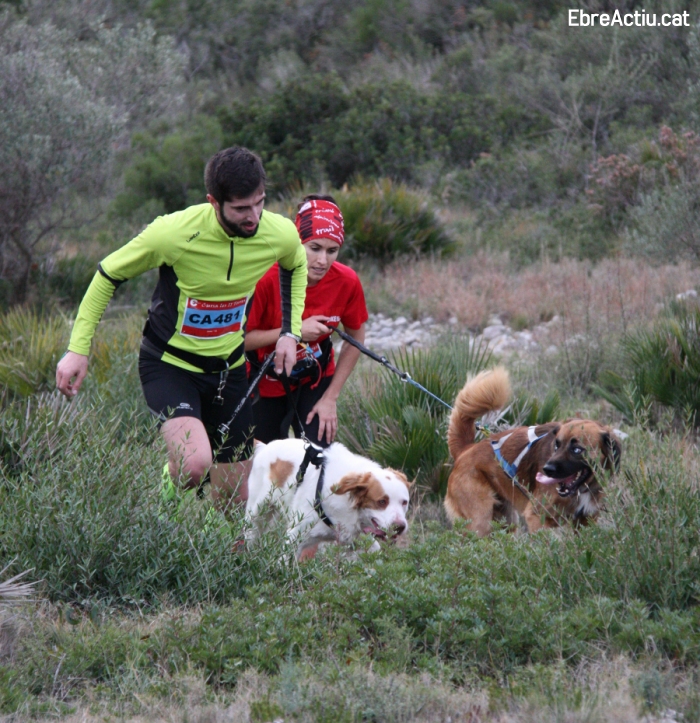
355, 495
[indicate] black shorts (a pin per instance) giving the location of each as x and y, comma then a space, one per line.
274, 415
174, 392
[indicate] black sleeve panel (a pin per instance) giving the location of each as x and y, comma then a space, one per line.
116, 282
286, 297
162, 315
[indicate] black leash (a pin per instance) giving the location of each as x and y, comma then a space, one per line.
225, 427
404, 376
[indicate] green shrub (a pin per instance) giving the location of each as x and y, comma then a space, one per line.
314, 129
662, 370
665, 225
168, 167
69, 278
384, 220
30, 346
80, 498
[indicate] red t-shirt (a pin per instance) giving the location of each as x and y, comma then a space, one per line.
338, 296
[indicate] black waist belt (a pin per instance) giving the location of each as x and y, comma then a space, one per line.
210, 364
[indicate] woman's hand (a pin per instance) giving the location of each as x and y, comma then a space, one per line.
314, 327
327, 412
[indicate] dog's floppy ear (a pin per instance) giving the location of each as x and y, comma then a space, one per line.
548, 428
356, 484
612, 450
401, 476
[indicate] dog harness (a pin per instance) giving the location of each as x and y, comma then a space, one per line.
314, 455
511, 468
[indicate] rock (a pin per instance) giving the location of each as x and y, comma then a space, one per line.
492, 332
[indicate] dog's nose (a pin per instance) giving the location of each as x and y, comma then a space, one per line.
550, 468
399, 528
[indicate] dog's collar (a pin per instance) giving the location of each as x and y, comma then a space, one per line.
314, 455
511, 468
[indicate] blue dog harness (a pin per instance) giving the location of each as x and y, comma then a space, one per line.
511, 468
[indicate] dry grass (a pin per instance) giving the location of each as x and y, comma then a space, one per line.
606, 698
608, 297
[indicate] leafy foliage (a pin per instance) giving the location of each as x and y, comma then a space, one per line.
384, 220
401, 426
59, 129
169, 169
663, 370
30, 347
314, 128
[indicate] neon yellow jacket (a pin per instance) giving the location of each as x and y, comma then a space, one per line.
206, 279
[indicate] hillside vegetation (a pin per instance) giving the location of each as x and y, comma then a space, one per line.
489, 160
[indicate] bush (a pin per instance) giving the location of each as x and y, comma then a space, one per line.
169, 168
315, 129
384, 220
30, 347
449, 606
662, 370
665, 226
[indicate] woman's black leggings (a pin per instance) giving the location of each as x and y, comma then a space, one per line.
273, 416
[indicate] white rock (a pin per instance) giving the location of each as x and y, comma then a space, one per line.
453, 320
496, 330
689, 294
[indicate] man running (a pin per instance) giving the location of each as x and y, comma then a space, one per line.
191, 363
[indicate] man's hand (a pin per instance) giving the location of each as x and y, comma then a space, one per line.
285, 355
313, 327
70, 372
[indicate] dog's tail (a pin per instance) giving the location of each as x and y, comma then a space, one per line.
486, 392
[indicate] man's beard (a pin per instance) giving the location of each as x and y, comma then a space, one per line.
233, 229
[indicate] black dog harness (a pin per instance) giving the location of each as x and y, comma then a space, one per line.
314, 455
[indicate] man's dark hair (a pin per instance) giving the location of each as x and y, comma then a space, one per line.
233, 173
317, 197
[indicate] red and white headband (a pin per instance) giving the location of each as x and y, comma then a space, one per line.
320, 219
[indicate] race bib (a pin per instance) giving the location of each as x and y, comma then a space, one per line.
211, 319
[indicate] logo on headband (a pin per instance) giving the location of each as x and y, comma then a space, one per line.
320, 219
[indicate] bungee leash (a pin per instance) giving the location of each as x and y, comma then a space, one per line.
224, 428
404, 376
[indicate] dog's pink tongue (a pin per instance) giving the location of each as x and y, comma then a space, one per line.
544, 480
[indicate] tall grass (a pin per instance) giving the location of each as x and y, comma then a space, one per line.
448, 606
662, 370
400, 426
30, 346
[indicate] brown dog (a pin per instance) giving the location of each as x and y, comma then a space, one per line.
544, 473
